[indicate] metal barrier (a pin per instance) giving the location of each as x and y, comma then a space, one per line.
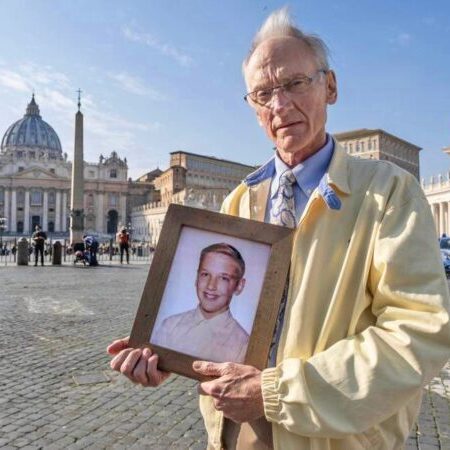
108, 253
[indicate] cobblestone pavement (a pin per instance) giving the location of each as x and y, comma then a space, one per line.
56, 388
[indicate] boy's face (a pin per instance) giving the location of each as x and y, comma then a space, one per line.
218, 279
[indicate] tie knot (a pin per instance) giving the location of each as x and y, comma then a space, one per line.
287, 178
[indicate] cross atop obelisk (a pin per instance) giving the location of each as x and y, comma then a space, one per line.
79, 98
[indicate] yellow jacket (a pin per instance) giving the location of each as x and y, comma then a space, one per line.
366, 322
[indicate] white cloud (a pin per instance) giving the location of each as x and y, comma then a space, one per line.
15, 81
163, 48
45, 75
135, 85
105, 130
403, 39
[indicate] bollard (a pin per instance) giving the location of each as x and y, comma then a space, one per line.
56, 254
22, 252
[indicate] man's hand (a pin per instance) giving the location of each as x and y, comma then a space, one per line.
236, 392
137, 364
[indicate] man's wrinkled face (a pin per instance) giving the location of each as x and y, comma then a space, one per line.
296, 124
218, 279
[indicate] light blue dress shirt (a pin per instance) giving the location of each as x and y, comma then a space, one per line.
307, 174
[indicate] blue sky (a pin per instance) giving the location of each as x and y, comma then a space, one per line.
160, 76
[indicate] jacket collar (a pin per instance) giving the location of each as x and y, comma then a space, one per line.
337, 175
338, 170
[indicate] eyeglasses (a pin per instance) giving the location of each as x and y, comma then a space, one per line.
297, 86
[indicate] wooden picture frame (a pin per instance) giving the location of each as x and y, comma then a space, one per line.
261, 241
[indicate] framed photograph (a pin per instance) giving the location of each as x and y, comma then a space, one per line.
213, 290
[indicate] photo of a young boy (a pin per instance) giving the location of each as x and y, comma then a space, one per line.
209, 331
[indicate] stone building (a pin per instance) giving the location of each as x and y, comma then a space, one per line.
35, 181
437, 191
191, 180
379, 144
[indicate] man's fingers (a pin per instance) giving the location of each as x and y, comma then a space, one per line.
117, 361
211, 369
130, 362
117, 346
140, 372
214, 388
155, 376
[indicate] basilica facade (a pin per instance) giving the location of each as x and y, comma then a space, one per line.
35, 181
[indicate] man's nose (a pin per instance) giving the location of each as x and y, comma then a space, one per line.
279, 99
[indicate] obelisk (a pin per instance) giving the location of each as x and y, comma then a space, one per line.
77, 192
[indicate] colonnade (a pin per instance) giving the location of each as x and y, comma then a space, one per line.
13, 215
18, 210
440, 213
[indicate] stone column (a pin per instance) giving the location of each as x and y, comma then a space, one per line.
26, 219
13, 220
58, 226
445, 207
45, 212
441, 219
99, 226
447, 229
64, 212
123, 209
7, 215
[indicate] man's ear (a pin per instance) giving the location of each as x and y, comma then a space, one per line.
331, 88
240, 286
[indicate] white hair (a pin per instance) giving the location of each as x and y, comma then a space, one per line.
280, 24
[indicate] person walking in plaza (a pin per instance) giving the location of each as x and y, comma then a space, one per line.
123, 239
39, 237
364, 324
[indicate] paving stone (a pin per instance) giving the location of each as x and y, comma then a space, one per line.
42, 407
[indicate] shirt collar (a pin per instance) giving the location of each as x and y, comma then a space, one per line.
307, 173
216, 320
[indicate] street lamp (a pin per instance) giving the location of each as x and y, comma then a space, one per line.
3, 227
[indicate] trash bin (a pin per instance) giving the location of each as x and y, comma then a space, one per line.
56, 254
139, 251
22, 252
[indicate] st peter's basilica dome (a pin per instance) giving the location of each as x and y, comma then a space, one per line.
31, 132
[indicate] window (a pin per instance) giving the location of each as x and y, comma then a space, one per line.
52, 170
113, 200
92, 174
51, 197
36, 198
2, 196
113, 173
21, 169
20, 197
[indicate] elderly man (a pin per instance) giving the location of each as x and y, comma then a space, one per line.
365, 323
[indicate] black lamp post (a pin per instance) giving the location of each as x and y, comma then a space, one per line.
2, 229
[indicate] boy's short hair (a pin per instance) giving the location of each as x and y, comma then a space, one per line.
224, 249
